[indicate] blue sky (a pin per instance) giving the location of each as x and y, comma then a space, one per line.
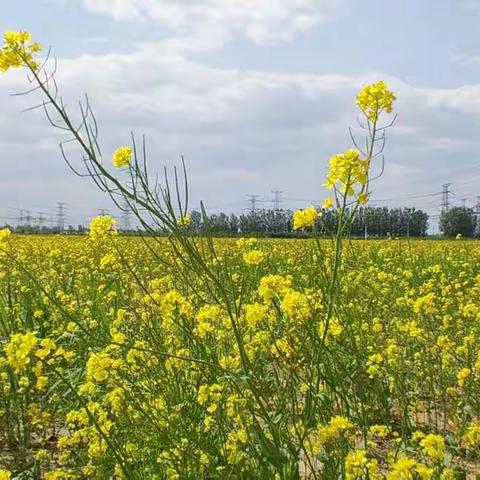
257, 94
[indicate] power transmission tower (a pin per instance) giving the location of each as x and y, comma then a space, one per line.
277, 199
252, 201
61, 216
445, 197
28, 218
40, 219
477, 206
103, 211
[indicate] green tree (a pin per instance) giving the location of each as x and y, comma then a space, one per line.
457, 220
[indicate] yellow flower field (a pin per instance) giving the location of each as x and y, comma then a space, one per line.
190, 357
116, 363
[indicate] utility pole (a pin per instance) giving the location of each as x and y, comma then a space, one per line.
464, 204
61, 216
277, 199
445, 197
252, 201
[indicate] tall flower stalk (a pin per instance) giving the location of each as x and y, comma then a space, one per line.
349, 174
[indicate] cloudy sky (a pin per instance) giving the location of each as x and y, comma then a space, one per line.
256, 94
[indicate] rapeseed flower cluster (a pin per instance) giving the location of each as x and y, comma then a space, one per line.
253, 257
5, 233
358, 466
122, 157
102, 227
374, 99
306, 218
347, 171
434, 446
18, 350
18, 50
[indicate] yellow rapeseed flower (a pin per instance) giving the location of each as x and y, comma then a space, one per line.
296, 305
4, 234
17, 51
272, 285
122, 157
434, 446
305, 218
101, 227
374, 99
462, 375
348, 170
19, 349
472, 435
359, 466
406, 468
254, 257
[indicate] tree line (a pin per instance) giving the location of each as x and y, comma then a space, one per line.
370, 221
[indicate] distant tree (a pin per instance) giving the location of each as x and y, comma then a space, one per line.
234, 223
223, 223
381, 221
457, 220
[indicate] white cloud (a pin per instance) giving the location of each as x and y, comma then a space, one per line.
241, 131
260, 21
465, 60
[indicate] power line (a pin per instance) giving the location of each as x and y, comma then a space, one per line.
380, 200
409, 197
